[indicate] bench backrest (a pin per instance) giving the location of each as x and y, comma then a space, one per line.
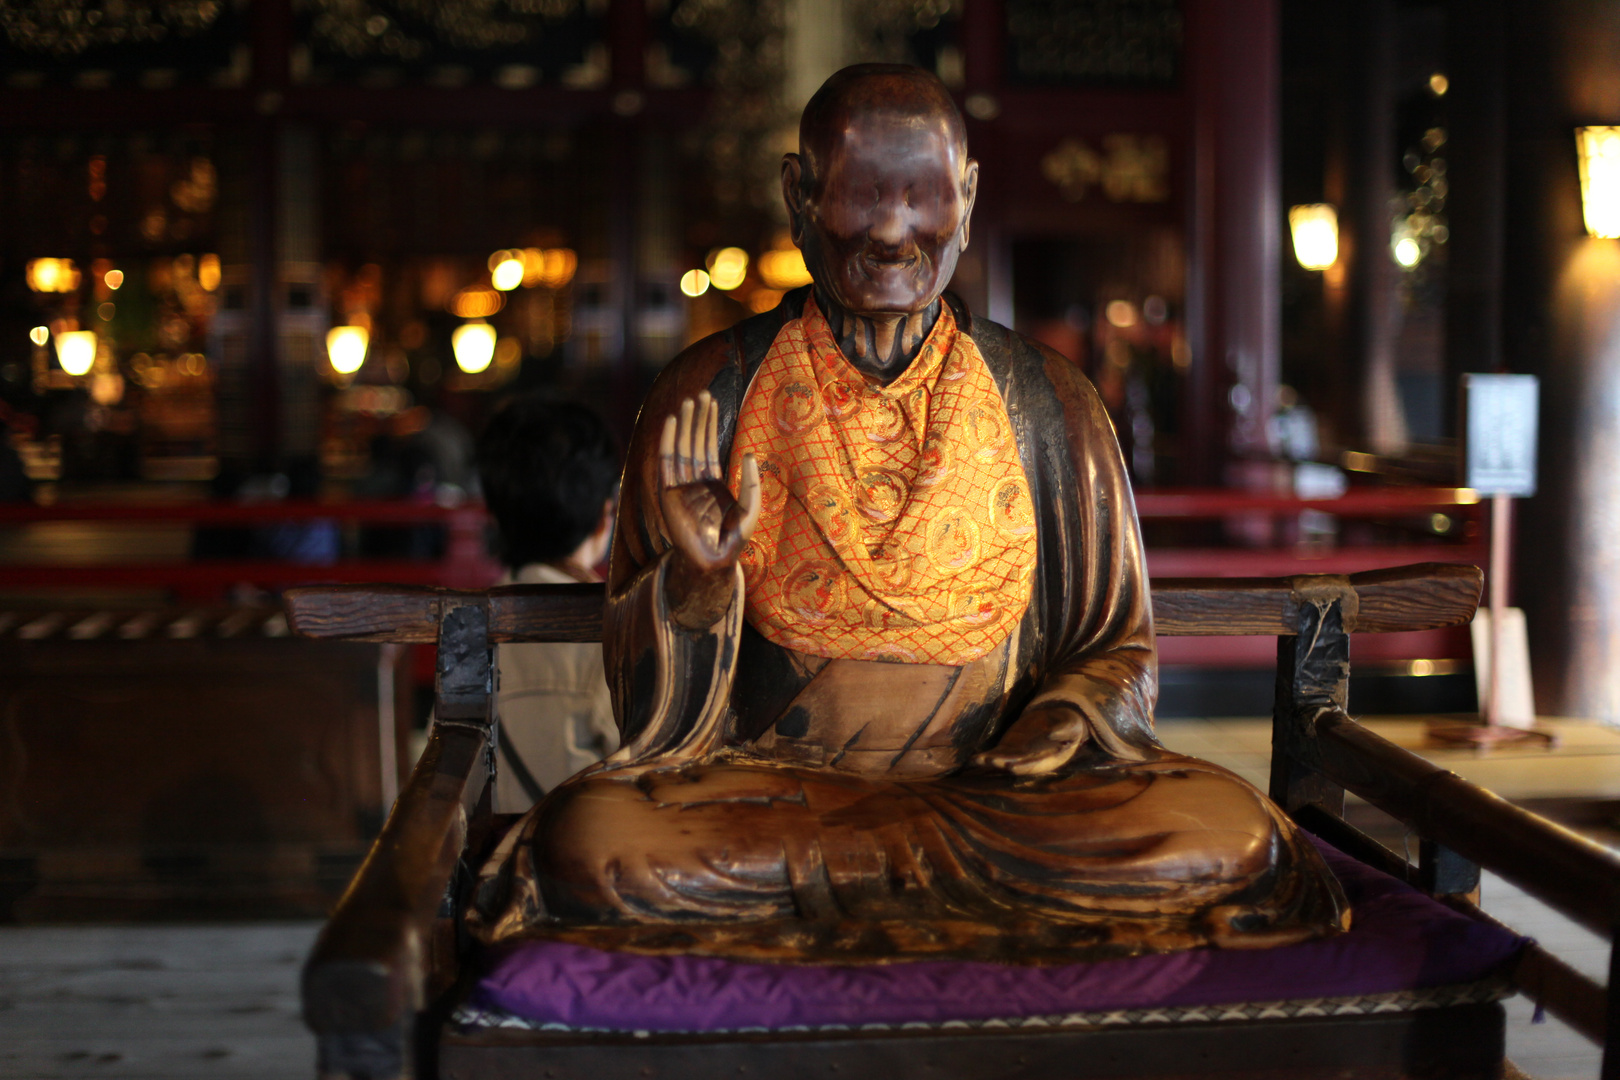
1425, 596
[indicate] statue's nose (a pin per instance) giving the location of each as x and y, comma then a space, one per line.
891, 224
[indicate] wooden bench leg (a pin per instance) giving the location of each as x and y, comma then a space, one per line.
352, 1055
1313, 673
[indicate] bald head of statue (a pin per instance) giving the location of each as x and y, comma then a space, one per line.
881, 189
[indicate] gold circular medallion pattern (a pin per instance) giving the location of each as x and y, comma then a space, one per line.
815, 592
1011, 508
796, 407
883, 421
934, 462
894, 572
974, 609
830, 510
881, 495
953, 541
841, 399
986, 432
891, 654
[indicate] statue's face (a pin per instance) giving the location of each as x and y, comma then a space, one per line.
887, 215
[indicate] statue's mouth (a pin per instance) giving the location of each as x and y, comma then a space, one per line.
881, 264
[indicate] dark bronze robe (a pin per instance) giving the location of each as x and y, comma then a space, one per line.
770, 804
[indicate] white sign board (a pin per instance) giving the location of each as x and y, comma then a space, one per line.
1501, 433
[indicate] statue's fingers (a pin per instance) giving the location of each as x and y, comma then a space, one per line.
1019, 764
711, 442
666, 453
683, 443
748, 497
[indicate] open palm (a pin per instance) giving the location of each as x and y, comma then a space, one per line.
705, 523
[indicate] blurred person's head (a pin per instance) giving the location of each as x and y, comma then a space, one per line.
548, 471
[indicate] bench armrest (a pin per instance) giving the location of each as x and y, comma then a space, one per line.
1424, 596
368, 969
372, 970
411, 615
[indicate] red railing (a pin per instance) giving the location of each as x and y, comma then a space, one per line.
464, 564
1205, 504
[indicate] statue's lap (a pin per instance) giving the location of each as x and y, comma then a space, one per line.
742, 838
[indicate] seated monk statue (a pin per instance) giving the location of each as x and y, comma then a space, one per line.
879, 632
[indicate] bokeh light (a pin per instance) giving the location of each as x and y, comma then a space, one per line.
694, 283
52, 275
728, 267
783, 268
474, 346
507, 275
476, 302
1315, 228
1600, 179
346, 348
1120, 313
76, 351
208, 273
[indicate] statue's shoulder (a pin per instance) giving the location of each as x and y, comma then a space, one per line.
1025, 368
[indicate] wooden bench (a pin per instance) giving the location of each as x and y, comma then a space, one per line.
389, 965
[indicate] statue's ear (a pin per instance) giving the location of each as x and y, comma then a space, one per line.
793, 195
970, 192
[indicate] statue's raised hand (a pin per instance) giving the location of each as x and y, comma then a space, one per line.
704, 522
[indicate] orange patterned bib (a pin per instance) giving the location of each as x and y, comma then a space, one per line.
896, 521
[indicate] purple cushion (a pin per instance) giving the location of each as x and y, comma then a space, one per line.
1400, 940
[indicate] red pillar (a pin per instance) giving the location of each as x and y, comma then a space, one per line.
1235, 232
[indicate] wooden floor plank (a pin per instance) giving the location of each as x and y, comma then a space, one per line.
137, 1002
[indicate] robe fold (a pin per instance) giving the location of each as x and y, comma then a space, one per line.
768, 803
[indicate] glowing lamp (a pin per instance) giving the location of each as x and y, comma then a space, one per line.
474, 346
1315, 227
1408, 252
39, 335
694, 283
76, 351
1599, 149
346, 348
728, 267
507, 275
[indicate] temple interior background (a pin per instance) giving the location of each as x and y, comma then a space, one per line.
267, 266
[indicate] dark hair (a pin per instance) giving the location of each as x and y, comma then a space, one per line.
546, 468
